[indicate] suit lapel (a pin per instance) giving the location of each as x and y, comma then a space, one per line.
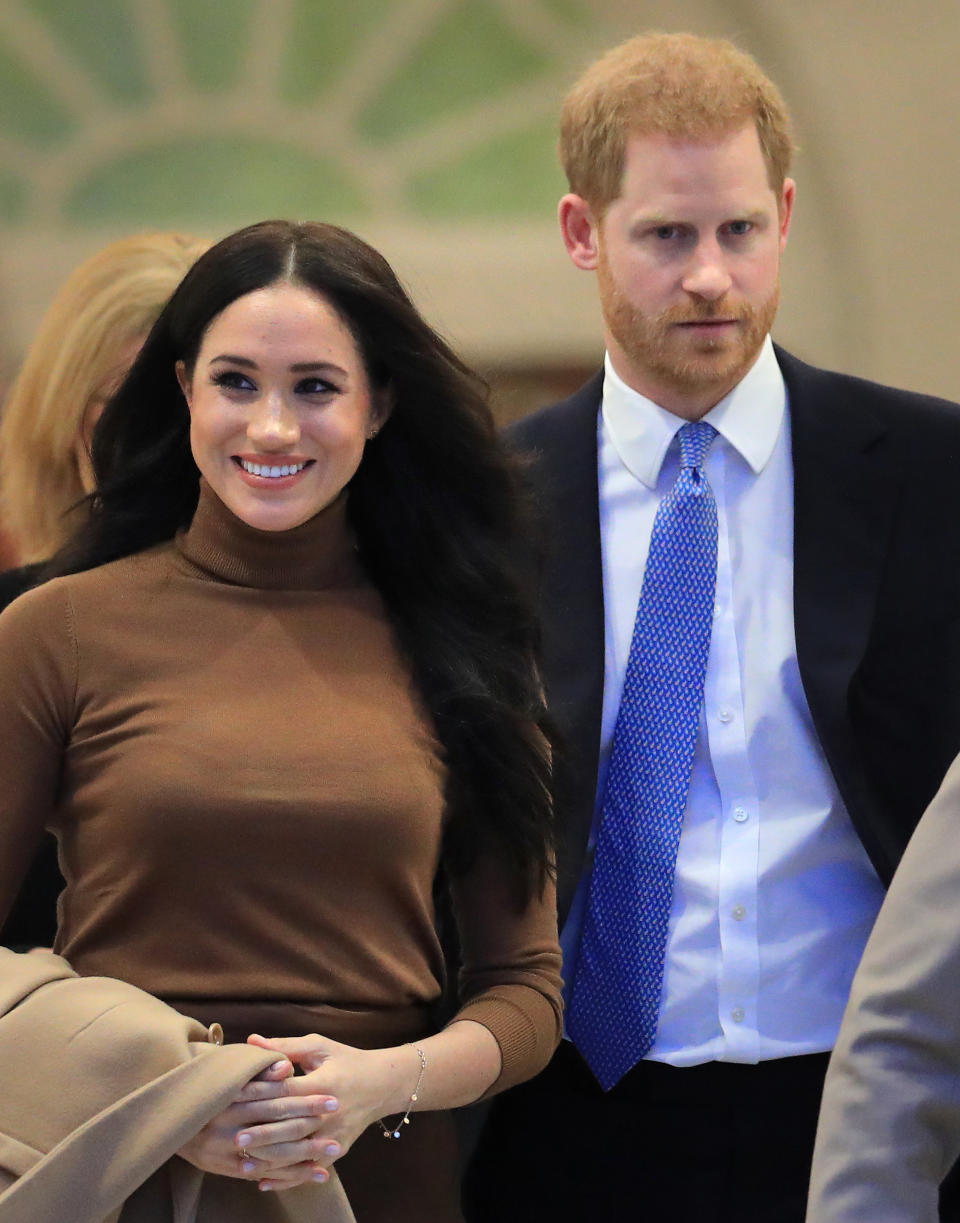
846, 488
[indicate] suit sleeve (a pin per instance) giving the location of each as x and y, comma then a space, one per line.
37, 695
510, 975
890, 1122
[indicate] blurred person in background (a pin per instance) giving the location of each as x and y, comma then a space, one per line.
83, 348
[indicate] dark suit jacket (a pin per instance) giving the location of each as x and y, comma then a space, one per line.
876, 596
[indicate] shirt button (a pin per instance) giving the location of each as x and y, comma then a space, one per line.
725, 715
739, 912
738, 1014
740, 814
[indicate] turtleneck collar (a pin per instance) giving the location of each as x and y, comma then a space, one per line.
318, 554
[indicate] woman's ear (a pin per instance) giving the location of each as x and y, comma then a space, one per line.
186, 384
381, 406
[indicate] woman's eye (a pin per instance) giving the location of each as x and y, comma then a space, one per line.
315, 386
233, 380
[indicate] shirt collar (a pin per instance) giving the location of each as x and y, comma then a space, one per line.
749, 418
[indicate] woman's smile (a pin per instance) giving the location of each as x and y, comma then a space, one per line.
279, 471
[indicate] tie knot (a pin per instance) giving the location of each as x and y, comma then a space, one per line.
695, 440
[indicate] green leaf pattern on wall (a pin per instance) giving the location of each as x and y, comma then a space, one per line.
132, 113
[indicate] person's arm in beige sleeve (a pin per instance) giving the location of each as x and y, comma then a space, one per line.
890, 1121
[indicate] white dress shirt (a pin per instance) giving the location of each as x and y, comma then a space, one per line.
774, 894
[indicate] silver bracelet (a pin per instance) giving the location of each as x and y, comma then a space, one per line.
389, 1131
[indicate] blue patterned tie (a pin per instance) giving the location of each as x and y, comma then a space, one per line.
616, 990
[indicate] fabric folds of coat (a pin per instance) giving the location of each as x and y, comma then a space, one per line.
101, 1085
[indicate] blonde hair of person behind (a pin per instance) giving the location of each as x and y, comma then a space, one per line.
678, 85
108, 302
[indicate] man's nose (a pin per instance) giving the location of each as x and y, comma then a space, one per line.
274, 425
707, 276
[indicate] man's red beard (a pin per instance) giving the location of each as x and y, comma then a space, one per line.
688, 364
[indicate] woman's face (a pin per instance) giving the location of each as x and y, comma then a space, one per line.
280, 406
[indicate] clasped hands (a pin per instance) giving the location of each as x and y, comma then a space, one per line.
285, 1129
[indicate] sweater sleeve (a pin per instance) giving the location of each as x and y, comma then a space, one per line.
37, 698
510, 976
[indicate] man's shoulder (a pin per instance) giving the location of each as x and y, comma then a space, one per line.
562, 425
890, 406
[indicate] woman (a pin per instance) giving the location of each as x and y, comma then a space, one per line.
84, 346
317, 698
82, 350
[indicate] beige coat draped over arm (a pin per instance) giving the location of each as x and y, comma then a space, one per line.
100, 1084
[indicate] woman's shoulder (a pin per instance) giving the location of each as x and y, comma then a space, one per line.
37, 601
14, 582
138, 568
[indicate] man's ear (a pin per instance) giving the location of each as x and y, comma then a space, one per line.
186, 384
580, 231
785, 210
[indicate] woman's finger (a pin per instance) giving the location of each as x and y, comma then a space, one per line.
262, 1140
269, 1083
266, 1112
282, 1177
300, 1086
289, 1178
281, 1069
313, 1148
310, 1051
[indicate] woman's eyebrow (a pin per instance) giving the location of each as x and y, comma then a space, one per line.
299, 367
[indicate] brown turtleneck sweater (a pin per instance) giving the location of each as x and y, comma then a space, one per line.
247, 795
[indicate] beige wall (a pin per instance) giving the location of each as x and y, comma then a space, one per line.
873, 263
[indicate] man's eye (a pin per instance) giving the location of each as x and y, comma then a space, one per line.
666, 232
233, 380
739, 228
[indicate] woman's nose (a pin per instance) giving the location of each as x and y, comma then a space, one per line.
274, 425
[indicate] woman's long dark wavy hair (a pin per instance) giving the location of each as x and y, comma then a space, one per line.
437, 506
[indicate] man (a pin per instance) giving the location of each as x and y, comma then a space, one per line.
750, 602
